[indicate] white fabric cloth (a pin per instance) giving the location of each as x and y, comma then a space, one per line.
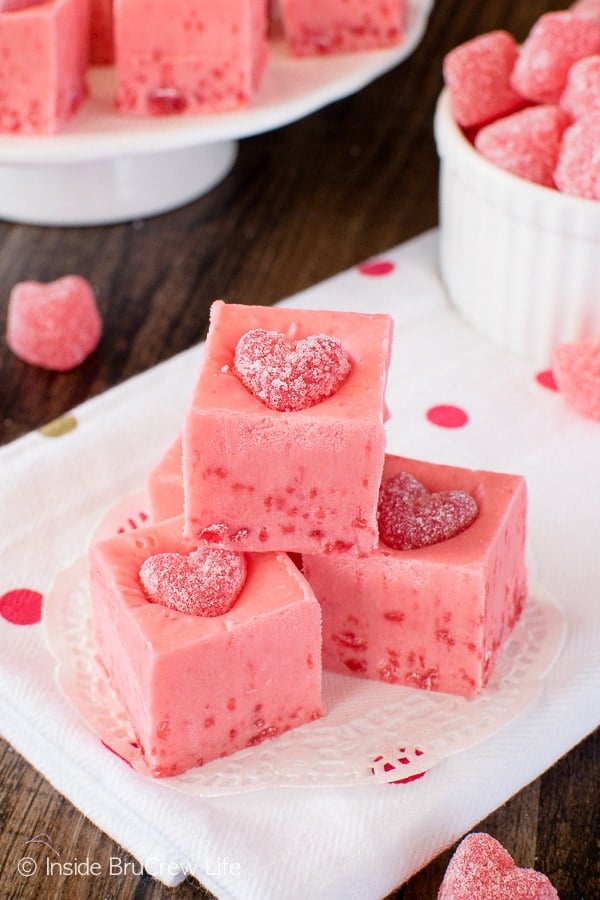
319, 843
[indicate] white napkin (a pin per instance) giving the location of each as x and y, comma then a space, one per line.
346, 842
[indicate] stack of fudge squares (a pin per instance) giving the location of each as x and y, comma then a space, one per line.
193, 56
282, 540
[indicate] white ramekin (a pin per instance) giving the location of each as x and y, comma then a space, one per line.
520, 262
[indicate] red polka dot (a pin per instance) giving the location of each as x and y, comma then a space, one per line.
446, 416
376, 267
547, 380
21, 606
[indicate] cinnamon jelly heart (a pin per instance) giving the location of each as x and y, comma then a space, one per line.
55, 325
290, 375
410, 517
576, 368
205, 583
481, 869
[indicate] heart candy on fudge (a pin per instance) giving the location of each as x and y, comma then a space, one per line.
410, 517
482, 869
290, 375
205, 583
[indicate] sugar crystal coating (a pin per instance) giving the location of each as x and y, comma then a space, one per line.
576, 368
582, 91
54, 325
578, 167
482, 869
556, 41
410, 517
477, 75
205, 583
526, 143
290, 375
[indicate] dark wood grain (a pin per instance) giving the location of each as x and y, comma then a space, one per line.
301, 203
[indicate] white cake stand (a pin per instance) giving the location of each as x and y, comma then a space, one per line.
106, 168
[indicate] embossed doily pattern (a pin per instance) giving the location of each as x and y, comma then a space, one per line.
371, 733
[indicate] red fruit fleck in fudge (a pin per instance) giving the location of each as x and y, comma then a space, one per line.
481, 869
410, 517
556, 41
582, 92
576, 368
205, 583
477, 76
55, 325
290, 375
578, 167
527, 143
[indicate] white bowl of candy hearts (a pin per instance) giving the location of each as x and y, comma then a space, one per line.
518, 135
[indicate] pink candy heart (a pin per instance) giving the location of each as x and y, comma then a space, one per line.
290, 375
481, 869
576, 369
411, 517
55, 325
205, 583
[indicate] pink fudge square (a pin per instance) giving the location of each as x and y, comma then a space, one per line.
436, 617
315, 27
188, 57
45, 51
164, 484
198, 688
305, 481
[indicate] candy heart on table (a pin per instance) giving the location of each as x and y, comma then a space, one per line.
482, 869
576, 369
54, 325
205, 583
290, 375
410, 516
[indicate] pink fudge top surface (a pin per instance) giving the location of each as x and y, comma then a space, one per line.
197, 688
482, 869
299, 481
340, 26
435, 617
556, 41
190, 57
526, 143
45, 51
477, 76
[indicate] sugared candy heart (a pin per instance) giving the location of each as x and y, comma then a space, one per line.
205, 583
556, 41
290, 375
582, 92
482, 869
410, 516
54, 325
527, 143
477, 75
576, 369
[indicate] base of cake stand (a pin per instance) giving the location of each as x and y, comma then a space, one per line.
108, 191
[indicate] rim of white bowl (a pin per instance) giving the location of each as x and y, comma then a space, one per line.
544, 207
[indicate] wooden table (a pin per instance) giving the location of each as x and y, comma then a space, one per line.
302, 203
